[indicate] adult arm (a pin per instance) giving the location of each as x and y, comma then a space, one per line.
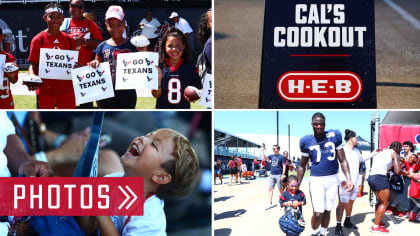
396, 163
345, 168
301, 169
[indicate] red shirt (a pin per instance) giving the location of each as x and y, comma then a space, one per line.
6, 98
81, 28
51, 87
414, 190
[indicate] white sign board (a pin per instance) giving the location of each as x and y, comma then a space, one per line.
91, 84
207, 92
2, 62
137, 70
57, 63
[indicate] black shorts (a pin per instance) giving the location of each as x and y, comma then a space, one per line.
233, 171
378, 182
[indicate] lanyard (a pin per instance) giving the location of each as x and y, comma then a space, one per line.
88, 163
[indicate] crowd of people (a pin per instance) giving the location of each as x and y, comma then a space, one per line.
176, 70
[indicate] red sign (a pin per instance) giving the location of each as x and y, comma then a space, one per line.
75, 196
401, 133
319, 86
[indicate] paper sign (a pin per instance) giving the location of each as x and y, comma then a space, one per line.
91, 84
2, 62
137, 70
207, 92
318, 54
57, 63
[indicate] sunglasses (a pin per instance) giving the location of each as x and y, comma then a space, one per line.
77, 6
293, 185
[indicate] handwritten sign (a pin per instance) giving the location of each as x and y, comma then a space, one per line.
137, 70
91, 84
207, 92
2, 62
57, 63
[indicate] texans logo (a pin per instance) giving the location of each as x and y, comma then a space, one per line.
47, 71
124, 79
69, 58
100, 73
149, 79
80, 78
149, 62
126, 63
164, 27
48, 56
68, 72
104, 89
83, 93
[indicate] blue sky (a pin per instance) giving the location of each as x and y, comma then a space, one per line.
264, 122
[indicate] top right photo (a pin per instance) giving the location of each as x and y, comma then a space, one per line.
317, 54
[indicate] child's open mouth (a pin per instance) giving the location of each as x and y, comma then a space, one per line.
134, 150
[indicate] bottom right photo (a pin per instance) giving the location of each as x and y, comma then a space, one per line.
331, 172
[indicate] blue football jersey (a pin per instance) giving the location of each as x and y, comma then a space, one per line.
174, 81
322, 152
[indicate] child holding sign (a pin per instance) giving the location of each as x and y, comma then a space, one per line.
107, 51
177, 72
52, 92
6, 98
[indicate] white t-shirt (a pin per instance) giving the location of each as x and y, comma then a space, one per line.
7, 128
382, 162
184, 26
152, 222
150, 28
354, 158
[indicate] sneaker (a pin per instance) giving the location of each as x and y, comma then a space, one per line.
349, 225
270, 206
401, 214
388, 211
382, 224
339, 231
379, 229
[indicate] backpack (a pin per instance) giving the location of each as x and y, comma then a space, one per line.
397, 183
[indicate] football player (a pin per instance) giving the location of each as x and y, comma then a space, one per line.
325, 151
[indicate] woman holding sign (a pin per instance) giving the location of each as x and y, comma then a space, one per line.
107, 51
52, 92
86, 34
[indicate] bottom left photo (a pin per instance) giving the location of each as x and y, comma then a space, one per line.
132, 173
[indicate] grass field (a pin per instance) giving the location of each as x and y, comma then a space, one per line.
29, 102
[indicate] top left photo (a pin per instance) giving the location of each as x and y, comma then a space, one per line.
106, 54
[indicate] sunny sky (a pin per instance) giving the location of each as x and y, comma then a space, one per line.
264, 122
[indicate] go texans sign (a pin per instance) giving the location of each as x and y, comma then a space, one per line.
318, 54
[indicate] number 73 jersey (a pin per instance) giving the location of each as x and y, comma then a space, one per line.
322, 152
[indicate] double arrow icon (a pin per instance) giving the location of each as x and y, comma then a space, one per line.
127, 197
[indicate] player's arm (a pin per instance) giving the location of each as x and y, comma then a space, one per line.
345, 167
396, 163
301, 168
